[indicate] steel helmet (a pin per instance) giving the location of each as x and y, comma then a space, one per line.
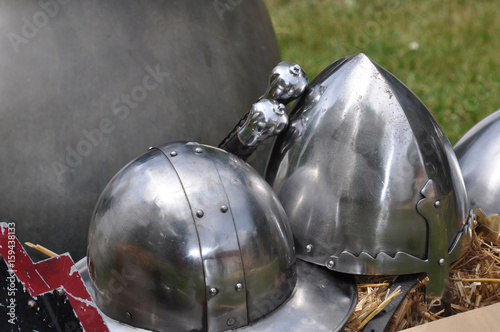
189, 237
478, 153
367, 178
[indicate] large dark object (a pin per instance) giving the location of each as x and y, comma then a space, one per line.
87, 86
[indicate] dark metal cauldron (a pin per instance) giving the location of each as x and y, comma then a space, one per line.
87, 86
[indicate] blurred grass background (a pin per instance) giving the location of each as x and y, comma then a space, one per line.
446, 52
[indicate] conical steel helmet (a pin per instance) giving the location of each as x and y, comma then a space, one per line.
189, 237
367, 178
478, 153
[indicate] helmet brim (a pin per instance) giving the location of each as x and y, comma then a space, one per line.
322, 300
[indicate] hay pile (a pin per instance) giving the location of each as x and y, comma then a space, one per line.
474, 283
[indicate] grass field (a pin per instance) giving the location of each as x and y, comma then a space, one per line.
446, 52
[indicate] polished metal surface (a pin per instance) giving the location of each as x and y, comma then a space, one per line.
478, 153
266, 118
189, 237
88, 85
112, 324
287, 82
322, 301
357, 170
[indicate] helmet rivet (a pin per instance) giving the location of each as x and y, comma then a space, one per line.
150, 148
223, 208
31, 303
437, 204
213, 291
128, 315
173, 153
441, 261
60, 291
200, 213
198, 150
309, 248
238, 287
230, 321
330, 264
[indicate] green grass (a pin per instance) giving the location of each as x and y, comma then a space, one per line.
455, 71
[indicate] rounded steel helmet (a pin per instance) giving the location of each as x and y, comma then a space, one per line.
367, 178
478, 153
189, 237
